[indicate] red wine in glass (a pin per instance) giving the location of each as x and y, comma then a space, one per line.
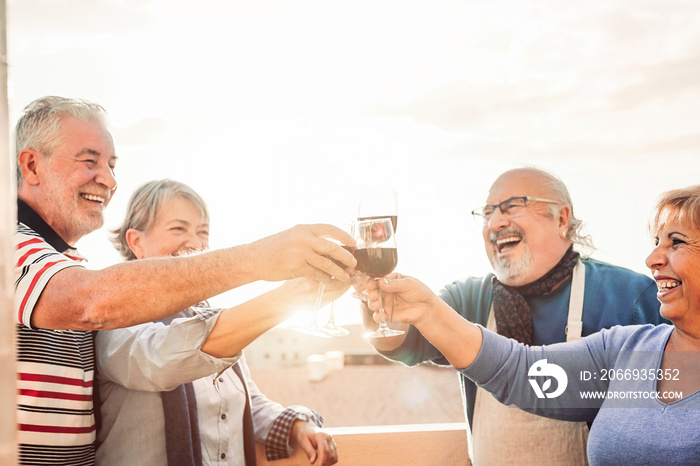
376, 262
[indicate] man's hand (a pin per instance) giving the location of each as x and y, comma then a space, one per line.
405, 299
408, 300
316, 444
303, 251
359, 282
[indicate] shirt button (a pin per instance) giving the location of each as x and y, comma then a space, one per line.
223, 456
223, 416
221, 379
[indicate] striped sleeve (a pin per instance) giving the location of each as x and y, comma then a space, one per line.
35, 263
55, 373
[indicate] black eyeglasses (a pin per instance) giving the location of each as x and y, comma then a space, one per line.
508, 207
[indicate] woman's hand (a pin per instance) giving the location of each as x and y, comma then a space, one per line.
316, 444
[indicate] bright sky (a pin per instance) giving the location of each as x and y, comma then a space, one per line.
277, 112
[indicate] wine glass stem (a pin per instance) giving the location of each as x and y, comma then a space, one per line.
331, 319
382, 323
319, 298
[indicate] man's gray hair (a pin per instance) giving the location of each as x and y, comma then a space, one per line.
40, 126
143, 209
576, 233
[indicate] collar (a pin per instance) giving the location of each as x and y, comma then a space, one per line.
33, 220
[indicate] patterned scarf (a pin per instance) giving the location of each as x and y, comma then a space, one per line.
513, 314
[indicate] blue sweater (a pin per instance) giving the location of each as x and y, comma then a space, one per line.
630, 426
613, 296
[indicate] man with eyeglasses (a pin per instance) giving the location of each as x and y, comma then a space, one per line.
541, 292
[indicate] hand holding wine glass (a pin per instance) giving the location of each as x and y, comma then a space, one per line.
375, 251
329, 329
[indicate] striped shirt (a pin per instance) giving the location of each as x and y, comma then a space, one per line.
55, 369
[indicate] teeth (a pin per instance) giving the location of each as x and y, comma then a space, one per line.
508, 239
667, 284
92, 197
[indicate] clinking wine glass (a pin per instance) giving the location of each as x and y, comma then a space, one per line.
329, 329
375, 251
376, 203
312, 328
333, 329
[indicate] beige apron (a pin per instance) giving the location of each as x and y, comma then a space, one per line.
504, 435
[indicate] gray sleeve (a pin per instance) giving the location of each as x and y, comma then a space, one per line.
531, 377
158, 357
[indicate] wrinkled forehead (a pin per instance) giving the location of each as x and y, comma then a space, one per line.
518, 184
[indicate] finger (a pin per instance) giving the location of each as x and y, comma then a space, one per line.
395, 283
327, 454
313, 273
335, 290
332, 451
309, 449
324, 230
341, 256
328, 269
373, 300
357, 281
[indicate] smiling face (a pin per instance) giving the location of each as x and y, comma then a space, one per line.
526, 245
675, 265
76, 181
179, 228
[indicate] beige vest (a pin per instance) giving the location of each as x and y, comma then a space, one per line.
506, 435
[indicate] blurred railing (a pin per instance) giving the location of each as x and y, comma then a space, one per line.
8, 222
406, 445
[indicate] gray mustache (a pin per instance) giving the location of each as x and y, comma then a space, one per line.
495, 235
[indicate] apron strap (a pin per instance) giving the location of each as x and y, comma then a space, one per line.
512, 429
574, 325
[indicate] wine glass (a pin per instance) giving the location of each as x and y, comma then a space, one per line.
376, 203
333, 329
375, 251
329, 329
312, 328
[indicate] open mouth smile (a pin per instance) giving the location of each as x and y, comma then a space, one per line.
94, 198
666, 285
507, 242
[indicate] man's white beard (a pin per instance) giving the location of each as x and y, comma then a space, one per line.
508, 271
